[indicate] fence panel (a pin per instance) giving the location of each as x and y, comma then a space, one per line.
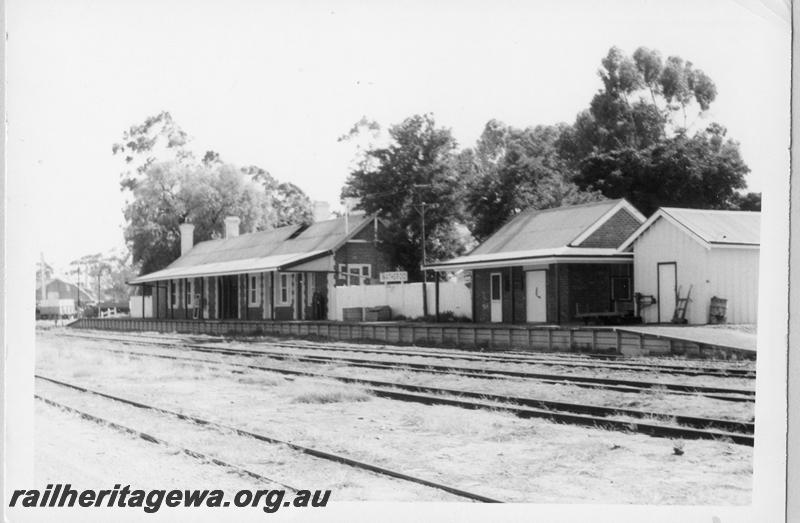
136, 306
404, 299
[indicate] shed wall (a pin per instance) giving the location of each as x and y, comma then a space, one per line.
729, 273
664, 242
733, 275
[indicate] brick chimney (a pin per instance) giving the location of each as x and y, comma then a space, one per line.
322, 211
231, 226
187, 237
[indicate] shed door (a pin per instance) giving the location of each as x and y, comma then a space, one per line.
496, 297
667, 287
536, 296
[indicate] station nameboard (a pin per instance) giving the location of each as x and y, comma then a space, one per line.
394, 277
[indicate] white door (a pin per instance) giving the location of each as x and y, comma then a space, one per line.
496, 290
536, 296
667, 286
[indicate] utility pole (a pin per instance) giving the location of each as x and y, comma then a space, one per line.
421, 211
43, 291
79, 288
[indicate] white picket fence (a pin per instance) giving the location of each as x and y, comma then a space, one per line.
136, 306
403, 298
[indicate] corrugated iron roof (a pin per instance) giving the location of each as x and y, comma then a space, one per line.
263, 250
544, 229
220, 268
720, 227
529, 256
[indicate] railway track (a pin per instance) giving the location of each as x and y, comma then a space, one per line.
157, 441
620, 385
573, 360
534, 360
320, 454
578, 414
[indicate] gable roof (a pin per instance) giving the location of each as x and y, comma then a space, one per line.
65, 289
551, 228
546, 233
262, 251
708, 227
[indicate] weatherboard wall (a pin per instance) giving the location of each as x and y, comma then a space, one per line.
724, 272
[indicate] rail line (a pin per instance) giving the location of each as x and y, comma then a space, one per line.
473, 372
329, 456
534, 360
607, 383
578, 414
157, 441
570, 360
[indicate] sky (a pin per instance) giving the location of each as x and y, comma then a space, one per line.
274, 84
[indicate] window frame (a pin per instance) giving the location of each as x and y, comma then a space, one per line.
254, 290
285, 284
174, 295
188, 293
361, 273
496, 289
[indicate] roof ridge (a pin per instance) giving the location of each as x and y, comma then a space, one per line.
695, 210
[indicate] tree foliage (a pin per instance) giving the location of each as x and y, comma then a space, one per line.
170, 194
158, 138
634, 140
414, 171
105, 274
168, 186
509, 170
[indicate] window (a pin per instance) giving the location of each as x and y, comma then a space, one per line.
341, 276
189, 293
621, 288
254, 290
495, 286
173, 293
285, 282
355, 274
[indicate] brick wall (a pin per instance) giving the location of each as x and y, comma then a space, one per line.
513, 295
589, 286
481, 295
368, 253
518, 284
615, 231
212, 297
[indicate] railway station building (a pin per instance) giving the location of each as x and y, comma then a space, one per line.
710, 257
554, 266
280, 274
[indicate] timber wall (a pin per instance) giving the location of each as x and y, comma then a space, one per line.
469, 336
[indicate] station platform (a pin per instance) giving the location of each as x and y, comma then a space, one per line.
626, 341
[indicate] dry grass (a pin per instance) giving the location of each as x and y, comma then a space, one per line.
490, 452
317, 393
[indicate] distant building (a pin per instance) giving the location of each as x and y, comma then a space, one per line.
713, 253
281, 274
554, 265
58, 289
62, 299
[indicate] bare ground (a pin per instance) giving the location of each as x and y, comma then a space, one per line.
655, 399
492, 453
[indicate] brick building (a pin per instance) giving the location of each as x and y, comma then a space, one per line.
280, 274
554, 265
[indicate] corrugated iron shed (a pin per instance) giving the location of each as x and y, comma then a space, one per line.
707, 226
723, 227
